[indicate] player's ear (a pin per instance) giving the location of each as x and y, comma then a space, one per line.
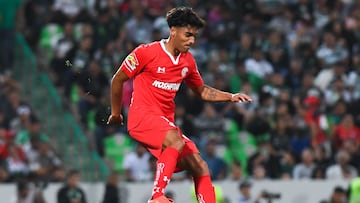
172, 31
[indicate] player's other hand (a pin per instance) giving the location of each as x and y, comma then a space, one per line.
239, 97
115, 120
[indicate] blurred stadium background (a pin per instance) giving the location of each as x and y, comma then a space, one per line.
298, 59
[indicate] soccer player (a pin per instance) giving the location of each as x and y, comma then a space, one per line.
157, 70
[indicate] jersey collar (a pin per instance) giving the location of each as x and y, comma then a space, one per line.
174, 60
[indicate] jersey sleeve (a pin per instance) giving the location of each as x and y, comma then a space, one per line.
135, 61
193, 79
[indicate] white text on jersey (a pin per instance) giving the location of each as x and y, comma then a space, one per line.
166, 85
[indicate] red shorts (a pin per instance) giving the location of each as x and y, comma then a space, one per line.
150, 131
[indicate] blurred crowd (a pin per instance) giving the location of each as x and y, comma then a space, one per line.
27, 156
25, 150
299, 60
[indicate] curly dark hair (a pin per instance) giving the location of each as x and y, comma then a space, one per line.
184, 16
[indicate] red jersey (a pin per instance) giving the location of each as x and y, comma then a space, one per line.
342, 133
157, 77
5, 148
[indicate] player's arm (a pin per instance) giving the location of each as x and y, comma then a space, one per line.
211, 94
117, 83
207, 93
129, 68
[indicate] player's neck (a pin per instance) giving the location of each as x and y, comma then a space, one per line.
169, 46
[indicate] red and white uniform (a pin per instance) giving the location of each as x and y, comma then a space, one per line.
157, 77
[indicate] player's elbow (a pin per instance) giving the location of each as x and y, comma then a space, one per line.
199, 92
206, 93
203, 97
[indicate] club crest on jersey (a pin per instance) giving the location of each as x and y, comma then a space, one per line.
184, 71
131, 61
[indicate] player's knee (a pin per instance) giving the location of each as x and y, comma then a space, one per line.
173, 139
178, 144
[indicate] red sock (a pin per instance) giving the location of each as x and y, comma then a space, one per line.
165, 168
204, 189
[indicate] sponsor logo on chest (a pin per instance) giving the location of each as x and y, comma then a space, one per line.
169, 85
166, 85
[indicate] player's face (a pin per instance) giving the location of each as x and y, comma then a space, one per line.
184, 37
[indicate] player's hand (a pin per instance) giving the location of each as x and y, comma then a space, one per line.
115, 120
239, 97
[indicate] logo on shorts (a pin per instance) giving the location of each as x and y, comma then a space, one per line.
131, 62
184, 71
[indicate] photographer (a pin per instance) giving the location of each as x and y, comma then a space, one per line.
269, 196
338, 195
263, 197
245, 193
71, 192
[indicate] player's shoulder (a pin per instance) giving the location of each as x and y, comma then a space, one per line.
149, 46
146, 52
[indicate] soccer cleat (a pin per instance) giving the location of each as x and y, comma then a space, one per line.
161, 199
